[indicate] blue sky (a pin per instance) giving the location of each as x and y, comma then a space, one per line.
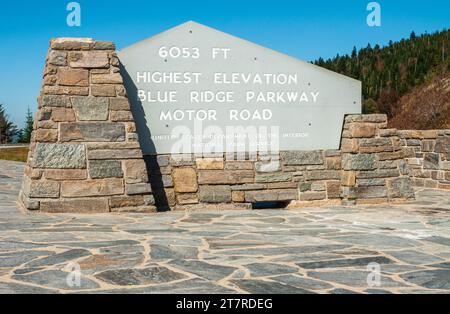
303, 28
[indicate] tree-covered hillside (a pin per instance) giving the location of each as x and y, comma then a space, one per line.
390, 72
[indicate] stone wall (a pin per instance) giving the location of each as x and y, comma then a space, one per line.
429, 160
368, 169
84, 153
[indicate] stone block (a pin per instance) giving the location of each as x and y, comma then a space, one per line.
92, 132
305, 186
65, 174
210, 163
312, 196
187, 198
121, 116
96, 187
268, 166
349, 145
91, 108
371, 182
63, 115
126, 201
431, 161
239, 165
43, 189
119, 104
58, 58
382, 173
135, 171
333, 163
317, 175
273, 177
185, 180
359, 162
73, 77
248, 187
238, 196
60, 156
103, 90
71, 43
271, 195
55, 101
225, 176
115, 154
443, 145
89, 59
348, 178
138, 188
100, 169
371, 192
46, 136
66, 90
215, 194
292, 158
318, 186
91, 205
333, 189
110, 78
362, 130
400, 188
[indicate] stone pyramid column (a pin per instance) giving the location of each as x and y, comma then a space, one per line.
84, 153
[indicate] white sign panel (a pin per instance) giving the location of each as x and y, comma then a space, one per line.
194, 89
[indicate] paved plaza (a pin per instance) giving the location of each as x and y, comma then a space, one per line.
333, 249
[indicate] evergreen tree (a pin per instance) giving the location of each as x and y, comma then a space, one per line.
8, 130
25, 133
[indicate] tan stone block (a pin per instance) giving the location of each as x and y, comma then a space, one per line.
65, 174
103, 90
349, 145
333, 163
185, 180
115, 154
238, 196
50, 79
113, 78
282, 185
187, 198
119, 104
46, 135
71, 43
89, 59
66, 90
135, 171
333, 189
312, 196
226, 176
73, 77
362, 130
210, 163
90, 205
121, 115
101, 187
348, 178
63, 115
126, 201
131, 127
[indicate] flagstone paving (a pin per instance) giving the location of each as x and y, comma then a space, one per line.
309, 250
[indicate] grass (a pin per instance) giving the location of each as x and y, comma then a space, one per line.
14, 153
